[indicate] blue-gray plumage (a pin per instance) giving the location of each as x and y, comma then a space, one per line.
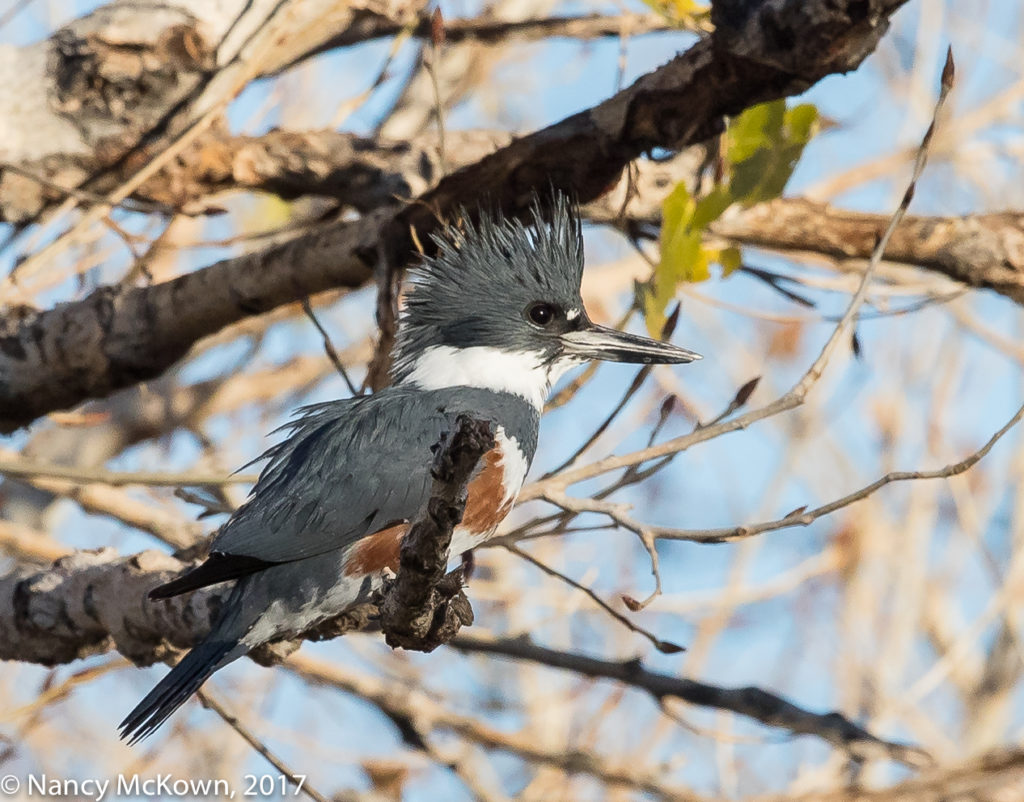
491, 323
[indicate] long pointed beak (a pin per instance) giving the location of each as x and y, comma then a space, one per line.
598, 342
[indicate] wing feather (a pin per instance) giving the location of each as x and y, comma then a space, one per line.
346, 469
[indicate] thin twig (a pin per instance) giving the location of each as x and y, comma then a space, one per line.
663, 646
86, 196
399, 702
27, 469
246, 71
332, 355
805, 517
299, 782
634, 387
13, 11
431, 56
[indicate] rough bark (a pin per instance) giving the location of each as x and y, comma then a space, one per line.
86, 108
424, 608
358, 172
124, 335
95, 601
984, 251
75, 109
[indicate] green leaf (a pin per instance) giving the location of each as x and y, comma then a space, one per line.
685, 260
763, 146
802, 123
765, 143
730, 259
676, 212
755, 129
711, 206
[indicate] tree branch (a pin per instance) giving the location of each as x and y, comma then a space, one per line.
490, 31
980, 777
93, 601
423, 608
755, 703
985, 251
413, 709
122, 336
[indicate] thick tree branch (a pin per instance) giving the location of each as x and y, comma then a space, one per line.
122, 70
93, 601
359, 172
423, 608
115, 337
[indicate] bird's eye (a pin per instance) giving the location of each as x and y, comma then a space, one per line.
541, 314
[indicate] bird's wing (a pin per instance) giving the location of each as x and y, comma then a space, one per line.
348, 469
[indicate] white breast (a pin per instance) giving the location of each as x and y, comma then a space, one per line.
513, 462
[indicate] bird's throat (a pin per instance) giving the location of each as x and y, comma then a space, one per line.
525, 374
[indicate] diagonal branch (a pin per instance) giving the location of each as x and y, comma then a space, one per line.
755, 703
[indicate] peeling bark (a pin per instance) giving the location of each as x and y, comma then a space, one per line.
89, 106
93, 601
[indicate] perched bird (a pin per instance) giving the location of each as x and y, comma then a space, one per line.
490, 324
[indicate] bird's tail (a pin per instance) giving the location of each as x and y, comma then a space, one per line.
221, 646
174, 690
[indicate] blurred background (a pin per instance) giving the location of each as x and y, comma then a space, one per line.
901, 610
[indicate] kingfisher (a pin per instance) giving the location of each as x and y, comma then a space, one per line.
490, 324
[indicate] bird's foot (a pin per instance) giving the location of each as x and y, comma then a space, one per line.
425, 628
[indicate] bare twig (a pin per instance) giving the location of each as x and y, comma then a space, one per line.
803, 517
46, 255
431, 56
663, 646
634, 387
24, 543
29, 470
400, 702
299, 782
329, 346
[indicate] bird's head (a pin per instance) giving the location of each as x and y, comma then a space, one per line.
499, 307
